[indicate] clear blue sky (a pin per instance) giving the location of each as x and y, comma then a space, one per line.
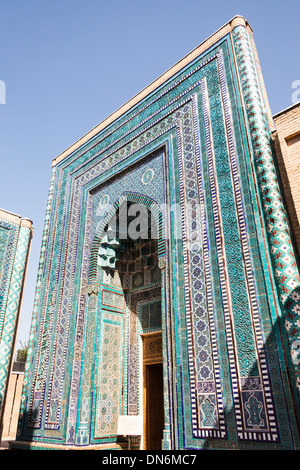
68, 64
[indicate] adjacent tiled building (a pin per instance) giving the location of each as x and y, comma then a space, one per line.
15, 239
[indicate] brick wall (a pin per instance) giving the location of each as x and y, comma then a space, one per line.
287, 148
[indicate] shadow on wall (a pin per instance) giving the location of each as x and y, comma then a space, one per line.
291, 328
285, 332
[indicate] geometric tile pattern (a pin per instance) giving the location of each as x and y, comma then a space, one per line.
282, 252
14, 245
110, 363
8, 233
189, 150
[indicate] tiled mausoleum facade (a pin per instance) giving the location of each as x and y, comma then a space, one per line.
15, 240
195, 320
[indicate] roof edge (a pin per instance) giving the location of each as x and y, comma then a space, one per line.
15, 218
286, 110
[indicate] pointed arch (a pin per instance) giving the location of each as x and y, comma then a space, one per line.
127, 196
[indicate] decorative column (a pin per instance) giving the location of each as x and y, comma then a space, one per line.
281, 249
26, 381
83, 431
166, 444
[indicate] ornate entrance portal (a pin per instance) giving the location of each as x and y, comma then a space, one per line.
219, 282
129, 276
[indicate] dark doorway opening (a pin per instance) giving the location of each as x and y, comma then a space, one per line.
154, 406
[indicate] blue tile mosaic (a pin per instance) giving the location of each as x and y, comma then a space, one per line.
196, 153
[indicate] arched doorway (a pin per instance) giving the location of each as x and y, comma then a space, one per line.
127, 258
